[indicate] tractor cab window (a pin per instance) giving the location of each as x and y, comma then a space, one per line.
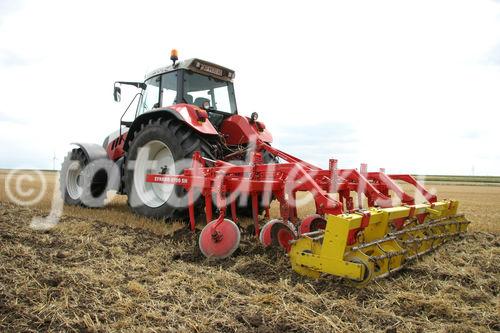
151, 95
200, 89
168, 91
161, 91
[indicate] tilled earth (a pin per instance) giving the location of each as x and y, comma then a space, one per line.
90, 275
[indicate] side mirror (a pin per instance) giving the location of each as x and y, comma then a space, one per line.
117, 94
253, 117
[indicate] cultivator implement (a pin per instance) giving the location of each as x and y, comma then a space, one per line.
355, 241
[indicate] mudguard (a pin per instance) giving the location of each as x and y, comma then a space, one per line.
184, 112
92, 151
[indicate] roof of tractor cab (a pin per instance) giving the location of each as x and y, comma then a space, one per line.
198, 66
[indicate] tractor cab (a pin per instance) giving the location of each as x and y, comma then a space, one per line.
193, 81
197, 93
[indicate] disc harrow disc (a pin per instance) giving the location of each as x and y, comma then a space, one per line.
312, 223
282, 233
265, 232
219, 241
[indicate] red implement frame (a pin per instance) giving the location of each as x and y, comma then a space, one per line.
229, 181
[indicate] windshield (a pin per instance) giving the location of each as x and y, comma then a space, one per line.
199, 89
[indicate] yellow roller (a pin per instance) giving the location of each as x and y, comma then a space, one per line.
364, 245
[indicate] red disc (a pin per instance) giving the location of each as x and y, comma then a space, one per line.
312, 223
282, 233
219, 241
265, 233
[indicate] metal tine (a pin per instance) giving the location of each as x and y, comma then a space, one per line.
419, 240
426, 226
313, 233
390, 272
390, 254
364, 245
417, 255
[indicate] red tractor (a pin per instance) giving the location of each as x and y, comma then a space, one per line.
186, 107
189, 151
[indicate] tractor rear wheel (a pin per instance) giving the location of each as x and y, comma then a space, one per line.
163, 146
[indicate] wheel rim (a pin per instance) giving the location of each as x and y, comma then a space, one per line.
73, 180
222, 246
152, 158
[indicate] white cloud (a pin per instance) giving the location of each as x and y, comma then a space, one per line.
408, 80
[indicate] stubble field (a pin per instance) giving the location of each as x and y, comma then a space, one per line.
109, 270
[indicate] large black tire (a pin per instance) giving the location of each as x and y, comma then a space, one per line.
144, 198
86, 183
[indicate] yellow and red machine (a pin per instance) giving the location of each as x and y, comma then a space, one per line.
188, 151
356, 243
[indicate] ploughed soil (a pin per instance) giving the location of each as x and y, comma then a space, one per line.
87, 274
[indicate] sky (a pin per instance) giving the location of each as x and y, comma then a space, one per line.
411, 86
